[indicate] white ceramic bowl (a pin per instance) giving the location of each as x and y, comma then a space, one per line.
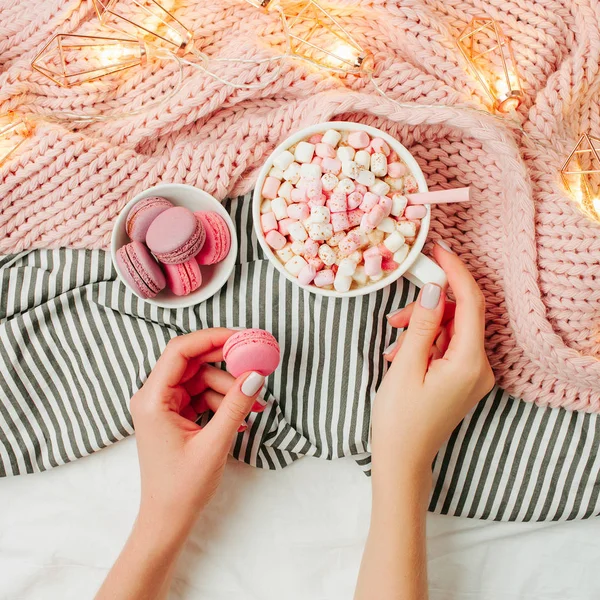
214, 277
416, 267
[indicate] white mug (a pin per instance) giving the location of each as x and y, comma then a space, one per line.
417, 268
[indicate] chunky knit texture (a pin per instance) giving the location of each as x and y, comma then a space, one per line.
532, 252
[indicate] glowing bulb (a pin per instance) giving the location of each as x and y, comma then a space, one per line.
596, 205
110, 55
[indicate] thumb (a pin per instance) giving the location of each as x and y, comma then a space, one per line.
236, 405
422, 330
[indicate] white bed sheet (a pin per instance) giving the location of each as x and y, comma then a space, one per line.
296, 534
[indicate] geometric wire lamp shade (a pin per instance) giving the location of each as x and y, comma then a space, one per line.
13, 132
71, 59
580, 175
145, 19
491, 59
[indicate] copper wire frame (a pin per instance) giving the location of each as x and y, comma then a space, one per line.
319, 19
585, 196
107, 8
17, 127
76, 41
512, 98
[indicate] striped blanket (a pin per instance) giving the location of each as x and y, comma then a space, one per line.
75, 345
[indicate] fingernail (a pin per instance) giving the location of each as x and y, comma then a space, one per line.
253, 383
390, 348
242, 428
393, 313
430, 296
260, 400
444, 245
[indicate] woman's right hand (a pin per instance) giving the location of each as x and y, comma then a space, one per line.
439, 372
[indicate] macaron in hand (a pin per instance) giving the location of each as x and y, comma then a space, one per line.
251, 350
140, 270
142, 214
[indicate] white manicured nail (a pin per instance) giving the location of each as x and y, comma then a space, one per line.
390, 348
253, 383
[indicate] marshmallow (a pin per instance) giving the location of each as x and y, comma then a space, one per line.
304, 152
336, 238
354, 200
331, 165
360, 276
299, 195
381, 188
410, 185
285, 253
292, 173
270, 187
275, 240
372, 251
373, 265
375, 237
276, 172
318, 201
283, 160
401, 254
314, 189
379, 145
324, 278
359, 139
316, 262
350, 243
397, 169
315, 138
345, 186
407, 228
320, 232
394, 241
417, 211
346, 266
279, 207
320, 214
361, 189
363, 159
340, 221
325, 150
376, 278
342, 283
329, 181
375, 216
370, 201
356, 257
284, 225
298, 211
331, 137
268, 222
297, 247
365, 225
337, 202
389, 264
386, 205
307, 274
317, 160
265, 207
311, 248
396, 184
388, 225
378, 164
355, 217
285, 190
399, 203
310, 171
297, 231
327, 255
366, 178
350, 169
295, 265
345, 153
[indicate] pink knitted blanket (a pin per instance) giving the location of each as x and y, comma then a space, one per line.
534, 255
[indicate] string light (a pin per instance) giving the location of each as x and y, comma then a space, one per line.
491, 58
580, 175
14, 130
71, 59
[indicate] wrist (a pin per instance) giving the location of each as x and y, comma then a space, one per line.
161, 530
400, 485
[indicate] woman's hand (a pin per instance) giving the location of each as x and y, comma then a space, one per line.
439, 372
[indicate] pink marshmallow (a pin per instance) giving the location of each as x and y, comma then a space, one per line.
298, 211
299, 195
315, 138
373, 265
361, 189
268, 222
359, 139
323, 278
317, 160
369, 202
365, 225
396, 169
339, 221
313, 189
306, 275
316, 262
311, 248
349, 244
393, 157
389, 265
270, 188
354, 200
372, 251
337, 202
275, 240
331, 165
325, 151
284, 225
381, 146
386, 205
413, 212
410, 185
385, 252
318, 201
355, 217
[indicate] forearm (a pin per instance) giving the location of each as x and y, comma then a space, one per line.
394, 564
145, 566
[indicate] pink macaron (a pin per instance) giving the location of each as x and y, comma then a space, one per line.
175, 236
218, 238
184, 278
142, 214
251, 350
140, 270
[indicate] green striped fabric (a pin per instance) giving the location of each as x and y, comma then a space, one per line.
75, 345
